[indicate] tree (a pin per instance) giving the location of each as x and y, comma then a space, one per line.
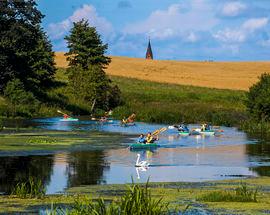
25, 52
21, 102
87, 61
258, 98
85, 46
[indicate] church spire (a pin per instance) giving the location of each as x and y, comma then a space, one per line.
149, 53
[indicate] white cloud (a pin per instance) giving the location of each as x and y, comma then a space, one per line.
254, 24
230, 36
175, 20
88, 12
241, 34
233, 9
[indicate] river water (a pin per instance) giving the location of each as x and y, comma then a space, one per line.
233, 154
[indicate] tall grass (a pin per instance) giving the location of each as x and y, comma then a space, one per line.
260, 129
240, 194
137, 200
30, 189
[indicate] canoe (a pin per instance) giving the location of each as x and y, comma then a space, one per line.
184, 133
209, 133
143, 146
69, 120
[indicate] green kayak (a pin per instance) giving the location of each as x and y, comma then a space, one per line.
143, 146
184, 133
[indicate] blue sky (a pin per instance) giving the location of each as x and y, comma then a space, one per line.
220, 30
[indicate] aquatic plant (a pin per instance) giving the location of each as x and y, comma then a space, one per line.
30, 189
42, 140
137, 200
241, 194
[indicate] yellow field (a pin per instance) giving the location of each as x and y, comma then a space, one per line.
222, 75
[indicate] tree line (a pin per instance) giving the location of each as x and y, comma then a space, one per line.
27, 68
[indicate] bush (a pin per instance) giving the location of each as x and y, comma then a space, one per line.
22, 103
258, 99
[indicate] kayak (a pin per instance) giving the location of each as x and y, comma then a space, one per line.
69, 120
143, 146
127, 124
184, 133
208, 132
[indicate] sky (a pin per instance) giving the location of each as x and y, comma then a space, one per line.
218, 30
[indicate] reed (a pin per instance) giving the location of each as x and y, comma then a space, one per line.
241, 194
137, 200
30, 189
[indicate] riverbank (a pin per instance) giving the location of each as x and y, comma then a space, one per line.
153, 102
179, 195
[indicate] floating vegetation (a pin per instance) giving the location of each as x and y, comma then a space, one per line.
240, 194
30, 189
42, 140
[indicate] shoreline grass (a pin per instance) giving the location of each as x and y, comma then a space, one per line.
177, 194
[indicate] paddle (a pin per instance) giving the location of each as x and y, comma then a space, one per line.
62, 113
159, 131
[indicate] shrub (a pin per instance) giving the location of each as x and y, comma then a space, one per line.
21, 102
258, 98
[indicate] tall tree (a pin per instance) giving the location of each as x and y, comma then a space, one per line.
25, 52
87, 61
85, 46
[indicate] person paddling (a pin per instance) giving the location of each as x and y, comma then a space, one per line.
141, 139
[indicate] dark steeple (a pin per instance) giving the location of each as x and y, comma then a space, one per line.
149, 53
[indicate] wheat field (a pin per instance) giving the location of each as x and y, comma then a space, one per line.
220, 75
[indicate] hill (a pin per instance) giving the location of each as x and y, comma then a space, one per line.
220, 75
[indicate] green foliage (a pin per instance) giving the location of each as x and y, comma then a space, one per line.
30, 189
260, 129
85, 46
168, 103
25, 52
21, 102
86, 74
240, 194
258, 98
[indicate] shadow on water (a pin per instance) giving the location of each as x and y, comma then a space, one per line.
15, 170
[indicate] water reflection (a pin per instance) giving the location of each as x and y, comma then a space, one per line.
192, 158
18, 169
86, 167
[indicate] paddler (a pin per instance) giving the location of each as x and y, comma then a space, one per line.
141, 139
203, 127
65, 116
150, 138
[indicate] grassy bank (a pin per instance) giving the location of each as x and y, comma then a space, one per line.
155, 102
178, 195
168, 103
